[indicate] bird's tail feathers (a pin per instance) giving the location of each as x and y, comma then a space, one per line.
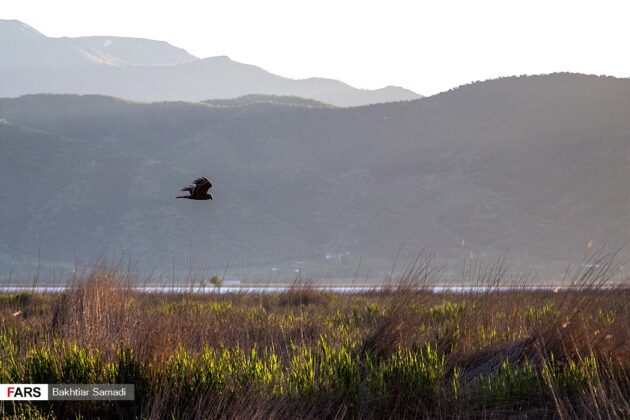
183, 196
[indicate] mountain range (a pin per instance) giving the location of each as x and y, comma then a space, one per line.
148, 70
536, 166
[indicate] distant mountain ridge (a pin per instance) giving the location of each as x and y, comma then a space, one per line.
534, 166
148, 70
136, 51
250, 100
14, 29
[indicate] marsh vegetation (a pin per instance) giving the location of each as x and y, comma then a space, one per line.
401, 351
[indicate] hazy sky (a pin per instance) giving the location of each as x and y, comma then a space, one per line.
427, 46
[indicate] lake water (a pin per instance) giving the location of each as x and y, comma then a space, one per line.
280, 289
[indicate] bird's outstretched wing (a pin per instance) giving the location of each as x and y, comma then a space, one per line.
202, 185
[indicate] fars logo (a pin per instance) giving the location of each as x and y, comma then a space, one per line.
23, 392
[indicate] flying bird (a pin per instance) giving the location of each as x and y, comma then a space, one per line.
198, 190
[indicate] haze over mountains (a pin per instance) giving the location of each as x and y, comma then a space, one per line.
535, 166
147, 70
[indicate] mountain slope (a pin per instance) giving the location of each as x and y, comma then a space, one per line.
15, 30
136, 51
537, 166
148, 70
544, 157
